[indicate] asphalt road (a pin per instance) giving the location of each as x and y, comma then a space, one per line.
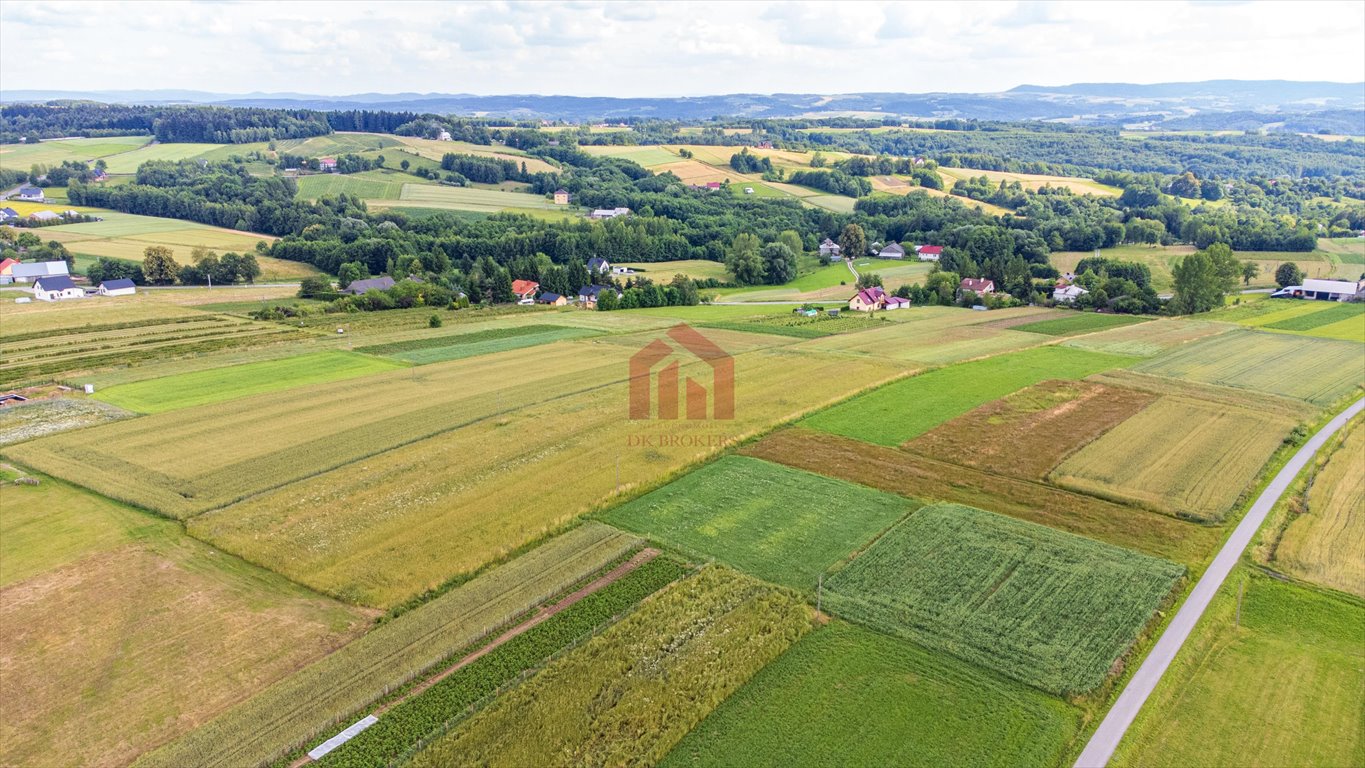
1106, 739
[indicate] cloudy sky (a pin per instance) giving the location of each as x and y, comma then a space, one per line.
635, 48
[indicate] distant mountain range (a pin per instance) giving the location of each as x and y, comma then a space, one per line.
1264, 102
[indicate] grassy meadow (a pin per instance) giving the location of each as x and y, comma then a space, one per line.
780, 524
1049, 609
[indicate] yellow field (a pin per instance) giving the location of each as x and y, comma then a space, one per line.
398, 523
1032, 181
65, 315
1179, 455
663, 271
1326, 544
121, 633
933, 336
694, 172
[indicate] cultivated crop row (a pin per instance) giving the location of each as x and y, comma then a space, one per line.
292, 712
1045, 607
405, 726
628, 695
434, 342
799, 326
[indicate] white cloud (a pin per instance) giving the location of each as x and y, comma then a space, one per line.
668, 48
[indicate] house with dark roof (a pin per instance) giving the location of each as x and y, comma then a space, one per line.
120, 287
30, 193
598, 266
8, 215
830, 250
561, 196
891, 251
361, 287
929, 252
56, 288
868, 300
588, 294
553, 299
977, 285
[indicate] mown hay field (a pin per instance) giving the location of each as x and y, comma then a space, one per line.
1180, 456
908, 408
1032, 430
800, 327
938, 336
470, 199
435, 349
435, 150
1081, 322
644, 155
844, 695
1032, 181
663, 271
780, 524
1274, 678
22, 157
379, 531
1047, 608
298, 709
128, 162
108, 615
898, 471
633, 692
1320, 371
369, 185
1148, 339
229, 383
1325, 544
1328, 320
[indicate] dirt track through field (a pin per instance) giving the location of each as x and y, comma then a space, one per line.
541, 615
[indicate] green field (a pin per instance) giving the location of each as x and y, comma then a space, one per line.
780, 524
844, 695
1083, 322
909, 407
437, 349
663, 271
219, 384
801, 327
316, 698
370, 185
1148, 339
1047, 608
1321, 371
23, 156
630, 694
1328, 320
1284, 686
646, 156
128, 162
471, 199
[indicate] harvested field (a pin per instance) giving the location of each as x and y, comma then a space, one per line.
219, 384
1081, 322
1148, 339
40, 418
663, 271
1044, 607
1279, 682
844, 695
108, 618
1321, 371
1325, 544
436, 349
296, 710
898, 471
1031, 431
780, 524
797, 326
910, 407
633, 692
401, 522
1273, 406
1180, 456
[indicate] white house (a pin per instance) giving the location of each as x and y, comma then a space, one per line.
444, 136
122, 287
56, 288
1065, 294
598, 266
829, 250
30, 193
929, 252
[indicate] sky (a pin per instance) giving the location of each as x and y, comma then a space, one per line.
635, 48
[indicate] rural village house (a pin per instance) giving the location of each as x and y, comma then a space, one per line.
327, 163
892, 251
829, 250
977, 285
525, 290
868, 300
56, 288
443, 136
120, 287
587, 295
1065, 294
6, 266
561, 196
360, 287
553, 299
8, 215
30, 193
598, 266
929, 252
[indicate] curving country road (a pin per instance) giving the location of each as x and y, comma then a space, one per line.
1107, 737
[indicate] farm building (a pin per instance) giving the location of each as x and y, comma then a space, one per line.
122, 287
327, 163
443, 136
976, 285
622, 271
609, 213
765, 145
525, 289
929, 252
8, 215
896, 302
868, 300
553, 299
27, 273
1065, 294
891, 251
587, 295
829, 250
361, 287
30, 193
56, 288
598, 266
1333, 290
561, 197
43, 216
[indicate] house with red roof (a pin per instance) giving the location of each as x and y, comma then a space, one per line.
327, 163
977, 285
868, 300
929, 252
525, 290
